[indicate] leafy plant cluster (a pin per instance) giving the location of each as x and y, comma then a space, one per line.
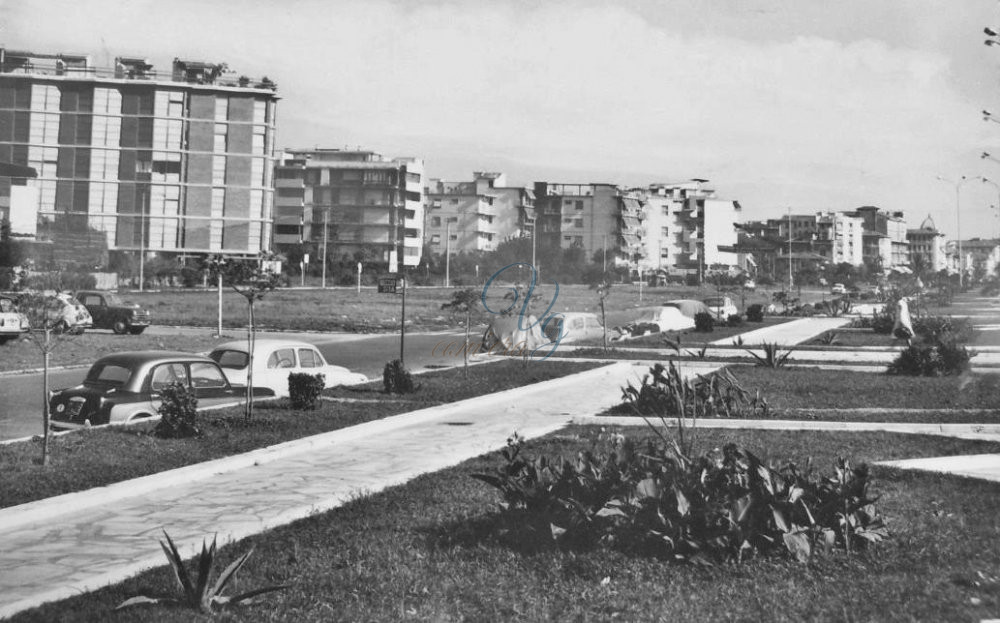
396, 379
943, 328
937, 358
704, 322
178, 413
836, 307
304, 389
664, 392
755, 313
655, 498
735, 320
773, 356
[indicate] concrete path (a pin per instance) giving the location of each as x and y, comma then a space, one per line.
81, 547
789, 333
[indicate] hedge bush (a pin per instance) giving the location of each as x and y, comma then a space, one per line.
178, 413
704, 322
304, 389
396, 379
755, 313
944, 358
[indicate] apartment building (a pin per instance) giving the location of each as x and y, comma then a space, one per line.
979, 257
884, 243
688, 229
927, 243
599, 218
136, 160
350, 201
476, 215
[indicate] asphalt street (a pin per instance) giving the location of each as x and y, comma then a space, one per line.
20, 395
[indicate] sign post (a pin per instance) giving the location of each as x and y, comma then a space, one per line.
389, 285
359, 278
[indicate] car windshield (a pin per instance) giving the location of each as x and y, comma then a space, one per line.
232, 359
7, 306
112, 299
715, 302
110, 374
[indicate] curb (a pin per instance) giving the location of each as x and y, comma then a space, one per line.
979, 431
40, 370
46, 509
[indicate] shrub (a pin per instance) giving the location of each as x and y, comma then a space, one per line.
932, 359
882, 322
664, 392
735, 320
991, 288
304, 389
654, 498
755, 313
703, 322
396, 379
773, 357
178, 413
938, 328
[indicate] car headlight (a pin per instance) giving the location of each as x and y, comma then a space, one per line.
60, 407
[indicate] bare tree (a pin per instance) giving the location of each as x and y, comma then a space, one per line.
603, 288
252, 279
43, 313
464, 301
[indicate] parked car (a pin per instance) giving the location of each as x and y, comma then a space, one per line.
274, 360
67, 315
125, 387
838, 288
667, 318
721, 307
750, 284
688, 307
12, 322
575, 326
109, 311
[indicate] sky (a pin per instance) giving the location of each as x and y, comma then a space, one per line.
803, 104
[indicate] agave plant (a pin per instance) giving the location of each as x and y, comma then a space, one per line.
828, 338
773, 357
197, 593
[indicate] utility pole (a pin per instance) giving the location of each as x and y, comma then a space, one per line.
144, 207
326, 232
447, 254
790, 250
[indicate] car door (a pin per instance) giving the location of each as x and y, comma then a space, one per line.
163, 375
280, 363
95, 304
311, 362
210, 385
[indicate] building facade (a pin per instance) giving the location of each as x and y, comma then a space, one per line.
139, 160
344, 202
884, 238
927, 244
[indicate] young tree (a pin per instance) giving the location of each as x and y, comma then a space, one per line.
252, 279
43, 315
603, 288
465, 301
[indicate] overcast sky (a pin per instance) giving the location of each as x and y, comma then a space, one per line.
807, 104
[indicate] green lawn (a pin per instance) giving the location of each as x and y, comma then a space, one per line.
429, 551
103, 456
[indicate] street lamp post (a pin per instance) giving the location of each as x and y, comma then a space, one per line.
958, 221
996, 186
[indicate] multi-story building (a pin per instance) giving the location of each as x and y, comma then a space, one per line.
844, 235
980, 257
599, 218
137, 160
928, 244
345, 202
884, 242
476, 215
688, 229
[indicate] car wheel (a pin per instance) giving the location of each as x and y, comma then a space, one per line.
120, 327
136, 330
5, 338
62, 327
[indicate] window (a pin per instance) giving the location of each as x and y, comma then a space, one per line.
453, 237
232, 359
579, 205
578, 223
308, 358
206, 375
452, 219
168, 374
281, 358
110, 374
435, 239
454, 201
436, 221
664, 231
92, 299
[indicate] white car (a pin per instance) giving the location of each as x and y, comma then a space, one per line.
575, 326
668, 318
721, 307
838, 288
274, 360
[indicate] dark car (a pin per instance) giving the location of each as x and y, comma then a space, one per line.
111, 312
125, 387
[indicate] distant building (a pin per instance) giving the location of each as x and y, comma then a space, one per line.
132, 159
368, 203
927, 243
884, 238
688, 230
980, 257
602, 219
476, 215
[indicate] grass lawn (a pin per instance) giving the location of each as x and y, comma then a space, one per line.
102, 456
347, 310
84, 349
859, 337
428, 551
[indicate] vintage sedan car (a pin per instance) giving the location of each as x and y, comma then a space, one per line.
109, 311
12, 322
721, 307
688, 307
656, 320
68, 315
274, 360
575, 326
125, 387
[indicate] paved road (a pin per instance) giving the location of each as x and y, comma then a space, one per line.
20, 395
